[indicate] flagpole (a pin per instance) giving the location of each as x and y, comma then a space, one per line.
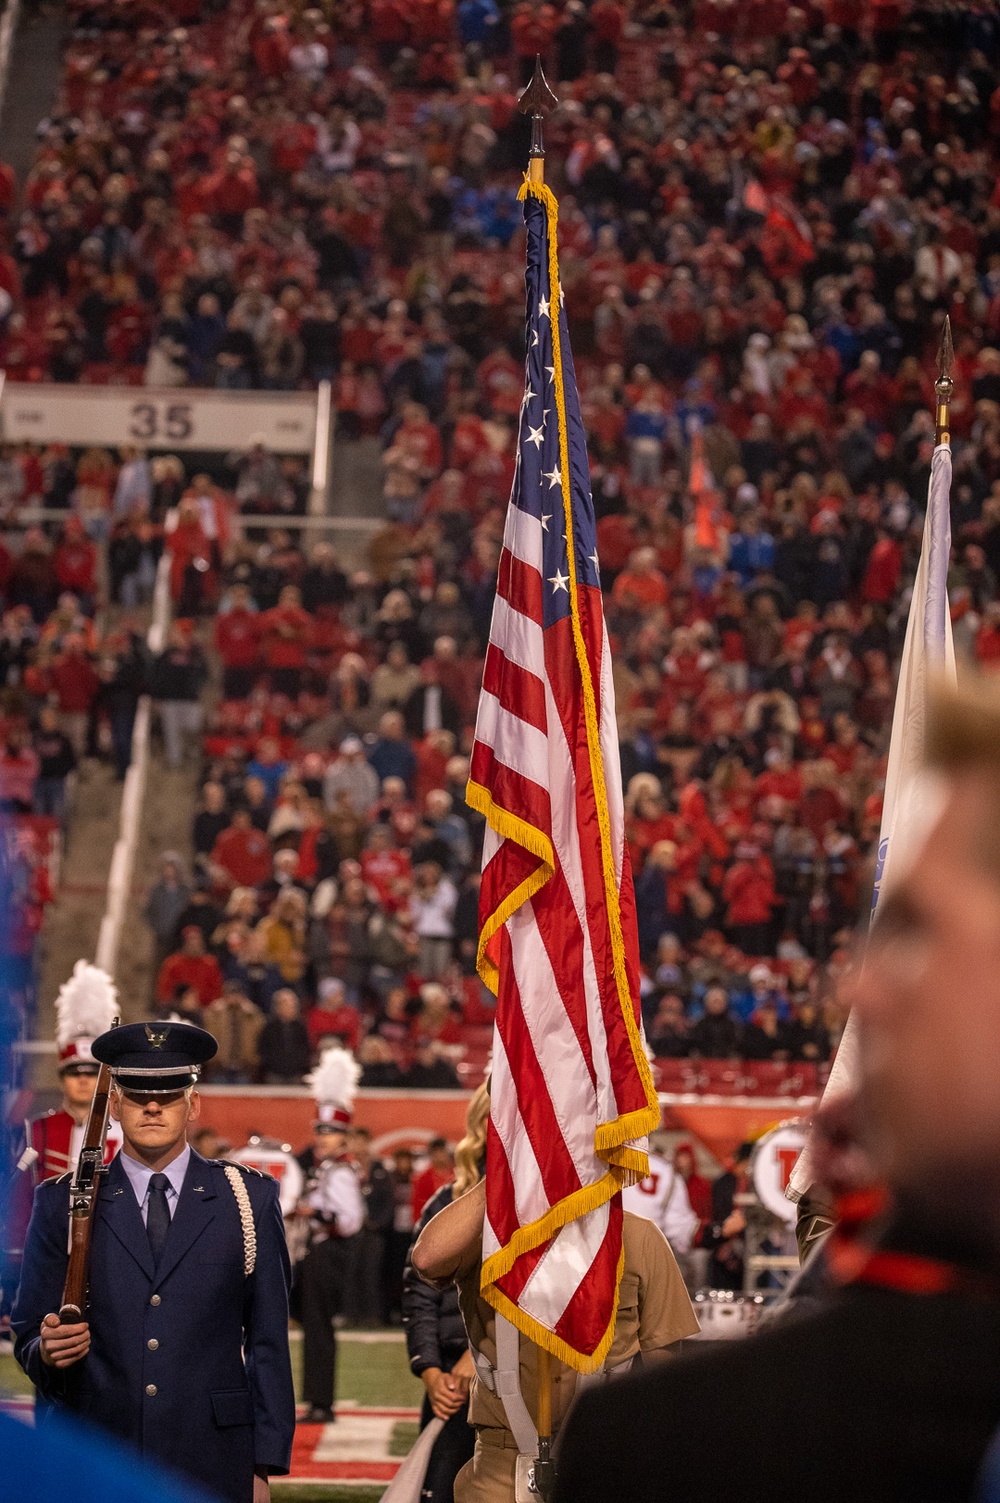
535, 100
928, 637
944, 385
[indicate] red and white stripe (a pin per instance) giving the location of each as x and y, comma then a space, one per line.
563, 1060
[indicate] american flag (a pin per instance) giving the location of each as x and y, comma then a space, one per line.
572, 1096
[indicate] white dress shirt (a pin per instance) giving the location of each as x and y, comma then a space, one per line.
140, 1174
337, 1193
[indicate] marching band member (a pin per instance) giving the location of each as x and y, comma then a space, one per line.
85, 1007
333, 1208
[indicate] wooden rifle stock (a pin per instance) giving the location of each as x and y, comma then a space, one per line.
83, 1201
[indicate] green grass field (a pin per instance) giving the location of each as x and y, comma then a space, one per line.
370, 1372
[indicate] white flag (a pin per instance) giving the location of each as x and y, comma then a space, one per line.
912, 793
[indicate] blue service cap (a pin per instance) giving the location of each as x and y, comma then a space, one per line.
155, 1057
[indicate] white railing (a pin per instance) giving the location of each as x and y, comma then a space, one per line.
133, 792
8, 30
319, 496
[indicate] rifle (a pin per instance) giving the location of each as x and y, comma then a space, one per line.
83, 1200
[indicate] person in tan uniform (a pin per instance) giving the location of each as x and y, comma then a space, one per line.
654, 1315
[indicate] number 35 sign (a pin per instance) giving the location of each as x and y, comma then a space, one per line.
152, 418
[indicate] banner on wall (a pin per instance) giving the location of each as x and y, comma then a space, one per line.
402, 1119
157, 417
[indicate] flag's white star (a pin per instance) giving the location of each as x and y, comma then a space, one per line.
534, 338
553, 476
595, 561
528, 395
562, 298
543, 307
552, 372
546, 519
559, 581
535, 436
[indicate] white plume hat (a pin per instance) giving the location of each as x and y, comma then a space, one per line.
333, 1083
86, 1007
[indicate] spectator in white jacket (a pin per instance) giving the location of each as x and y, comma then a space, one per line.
663, 1199
351, 772
432, 904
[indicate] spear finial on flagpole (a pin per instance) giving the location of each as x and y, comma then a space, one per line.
944, 385
535, 101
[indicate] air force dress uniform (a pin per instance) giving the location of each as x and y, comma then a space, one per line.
189, 1357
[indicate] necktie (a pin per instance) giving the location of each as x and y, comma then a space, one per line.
157, 1215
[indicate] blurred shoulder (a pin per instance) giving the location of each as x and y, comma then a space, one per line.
57, 1188
640, 1235
437, 1202
51, 1197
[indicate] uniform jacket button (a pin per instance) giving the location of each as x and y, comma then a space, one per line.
152, 1343
151, 1390
154, 1299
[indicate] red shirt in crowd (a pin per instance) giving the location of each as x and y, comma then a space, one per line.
75, 563
382, 869
427, 1183
200, 971
226, 192
748, 889
18, 771
74, 681
778, 782
342, 1021
987, 646
244, 854
237, 638
286, 631
885, 564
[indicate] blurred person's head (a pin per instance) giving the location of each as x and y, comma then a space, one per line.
359, 1143
927, 995
439, 1154
285, 1005
716, 1001
391, 726
192, 940
213, 797
207, 1142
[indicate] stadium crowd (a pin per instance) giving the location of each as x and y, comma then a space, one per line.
765, 212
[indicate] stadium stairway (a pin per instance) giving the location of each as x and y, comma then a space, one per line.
73, 921
33, 82
356, 488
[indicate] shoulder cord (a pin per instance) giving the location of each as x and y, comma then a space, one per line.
239, 1189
